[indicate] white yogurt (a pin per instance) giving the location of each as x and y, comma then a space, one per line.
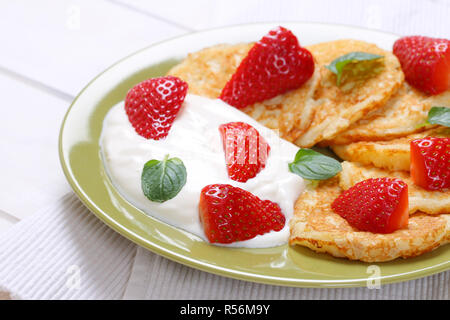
195, 139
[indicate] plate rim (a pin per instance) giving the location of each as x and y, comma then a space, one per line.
207, 267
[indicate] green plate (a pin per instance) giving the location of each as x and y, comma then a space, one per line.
284, 265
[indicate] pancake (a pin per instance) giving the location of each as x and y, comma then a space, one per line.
208, 70
317, 227
401, 116
336, 108
391, 155
430, 202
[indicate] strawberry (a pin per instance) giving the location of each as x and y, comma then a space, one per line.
425, 62
153, 105
274, 65
377, 205
246, 151
230, 214
430, 163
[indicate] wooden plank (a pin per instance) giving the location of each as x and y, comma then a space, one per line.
29, 128
65, 44
405, 17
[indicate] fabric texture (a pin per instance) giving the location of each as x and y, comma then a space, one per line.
64, 252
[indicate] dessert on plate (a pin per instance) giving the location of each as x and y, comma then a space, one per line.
221, 145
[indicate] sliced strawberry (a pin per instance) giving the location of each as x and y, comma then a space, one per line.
425, 62
246, 151
274, 65
153, 105
376, 205
230, 214
430, 163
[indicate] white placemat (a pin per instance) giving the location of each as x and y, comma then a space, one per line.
64, 252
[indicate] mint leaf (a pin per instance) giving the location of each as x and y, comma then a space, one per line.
439, 115
313, 165
355, 63
163, 180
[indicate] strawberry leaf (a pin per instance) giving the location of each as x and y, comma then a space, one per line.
353, 62
163, 180
313, 165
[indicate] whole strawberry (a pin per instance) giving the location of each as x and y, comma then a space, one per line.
246, 151
153, 105
231, 214
274, 65
430, 163
377, 205
425, 62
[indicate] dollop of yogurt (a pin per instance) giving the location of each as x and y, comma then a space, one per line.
196, 140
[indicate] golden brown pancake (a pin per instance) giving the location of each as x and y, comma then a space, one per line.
208, 70
336, 108
317, 227
401, 116
391, 155
430, 202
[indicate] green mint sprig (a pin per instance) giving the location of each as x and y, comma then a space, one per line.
312, 165
163, 180
353, 62
439, 115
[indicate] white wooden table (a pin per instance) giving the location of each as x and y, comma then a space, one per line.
50, 49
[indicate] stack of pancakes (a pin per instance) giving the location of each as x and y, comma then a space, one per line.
368, 122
